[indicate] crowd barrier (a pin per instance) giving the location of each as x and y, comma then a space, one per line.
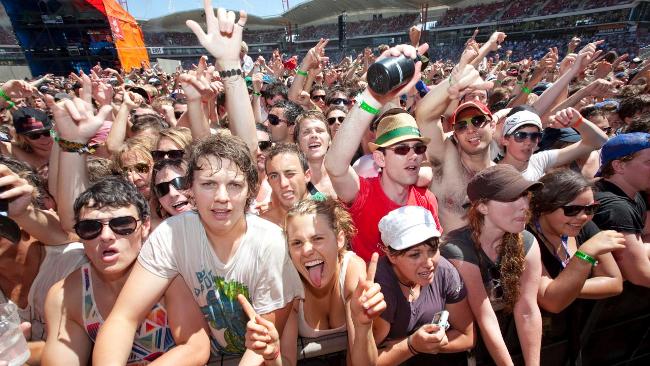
612, 332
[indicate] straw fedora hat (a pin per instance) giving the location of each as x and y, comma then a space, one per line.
396, 128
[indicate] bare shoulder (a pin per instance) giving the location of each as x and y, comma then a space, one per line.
66, 294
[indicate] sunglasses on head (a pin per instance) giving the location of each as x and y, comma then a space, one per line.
521, 136
476, 121
275, 120
318, 97
38, 135
333, 120
90, 229
340, 101
574, 210
162, 189
264, 145
141, 168
419, 149
169, 154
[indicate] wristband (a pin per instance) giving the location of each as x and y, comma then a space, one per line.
587, 258
257, 94
274, 356
6, 97
75, 147
410, 346
519, 83
578, 122
368, 108
229, 73
525, 90
301, 73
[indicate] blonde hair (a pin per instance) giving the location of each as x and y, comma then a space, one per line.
140, 146
181, 136
511, 252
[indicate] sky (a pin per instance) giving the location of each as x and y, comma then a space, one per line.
147, 9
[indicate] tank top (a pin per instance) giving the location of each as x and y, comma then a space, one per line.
304, 330
153, 337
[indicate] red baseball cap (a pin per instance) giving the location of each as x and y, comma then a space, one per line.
467, 105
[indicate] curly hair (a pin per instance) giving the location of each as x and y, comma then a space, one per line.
338, 217
511, 251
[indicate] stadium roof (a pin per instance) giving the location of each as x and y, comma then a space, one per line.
306, 12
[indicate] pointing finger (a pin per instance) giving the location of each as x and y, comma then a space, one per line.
248, 308
372, 267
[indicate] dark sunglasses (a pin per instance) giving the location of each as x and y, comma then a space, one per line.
264, 145
607, 130
340, 101
178, 114
476, 121
574, 210
318, 97
141, 168
333, 120
521, 136
38, 135
90, 229
162, 189
169, 154
419, 149
275, 120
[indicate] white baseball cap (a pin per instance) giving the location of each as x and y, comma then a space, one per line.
519, 119
407, 226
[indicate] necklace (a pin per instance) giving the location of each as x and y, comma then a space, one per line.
564, 240
411, 291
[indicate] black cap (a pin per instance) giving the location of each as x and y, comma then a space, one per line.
27, 119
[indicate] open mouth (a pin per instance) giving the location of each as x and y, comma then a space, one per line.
109, 255
220, 213
180, 205
314, 146
412, 168
315, 269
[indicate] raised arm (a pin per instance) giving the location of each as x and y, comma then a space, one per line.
76, 124
492, 45
117, 134
337, 161
593, 138
528, 318
311, 61
223, 41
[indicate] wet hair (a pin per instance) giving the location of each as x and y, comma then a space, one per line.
561, 186
511, 252
157, 167
274, 89
287, 148
113, 192
338, 217
181, 136
291, 110
433, 243
313, 114
231, 148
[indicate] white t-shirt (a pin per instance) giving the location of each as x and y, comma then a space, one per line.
260, 269
539, 163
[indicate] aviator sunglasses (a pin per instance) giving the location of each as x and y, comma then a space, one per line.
419, 149
476, 121
162, 189
333, 120
574, 210
90, 229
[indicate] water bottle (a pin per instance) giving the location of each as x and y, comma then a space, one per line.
390, 73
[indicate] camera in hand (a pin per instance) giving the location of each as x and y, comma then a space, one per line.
390, 73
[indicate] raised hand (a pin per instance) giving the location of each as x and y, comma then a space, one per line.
75, 119
367, 301
261, 335
603, 242
224, 36
315, 55
495, 40
588, 54
564, 118
408, 51
414, 35
258, 79
193, 86
16, 191
18, 89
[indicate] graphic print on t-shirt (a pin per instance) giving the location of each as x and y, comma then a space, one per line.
223, 312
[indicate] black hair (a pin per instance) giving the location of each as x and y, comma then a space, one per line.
287, 148
276, 89
113, 192
291, 110
561, 186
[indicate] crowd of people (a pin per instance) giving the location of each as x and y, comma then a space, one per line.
241, 205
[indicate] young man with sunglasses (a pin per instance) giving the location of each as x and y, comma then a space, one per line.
625, 172
398, 149
282, 119
522, 132
112, 221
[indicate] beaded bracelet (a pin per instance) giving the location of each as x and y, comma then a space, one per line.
587, 258
301, 73
74, 147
